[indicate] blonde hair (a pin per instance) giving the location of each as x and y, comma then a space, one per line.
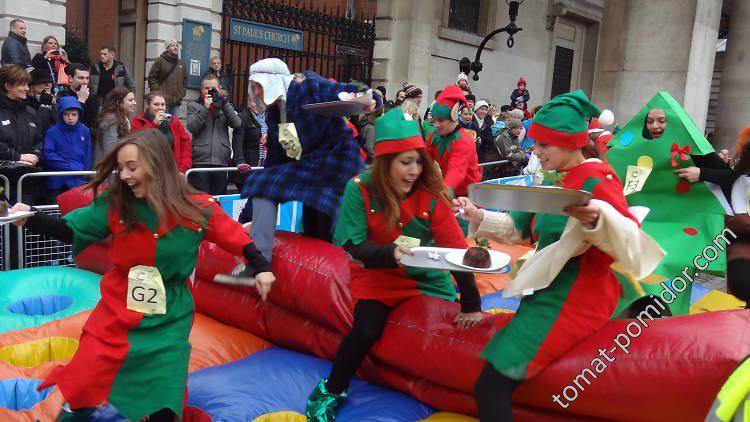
410, 107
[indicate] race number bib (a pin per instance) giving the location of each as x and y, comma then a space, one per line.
146, 291
289, 140
409, 242
635, 179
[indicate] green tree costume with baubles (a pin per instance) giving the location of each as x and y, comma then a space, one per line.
684, 217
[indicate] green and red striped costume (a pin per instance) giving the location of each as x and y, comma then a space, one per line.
423, 216
580, 300
137, 362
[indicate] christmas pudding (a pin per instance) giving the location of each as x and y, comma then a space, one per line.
478, 256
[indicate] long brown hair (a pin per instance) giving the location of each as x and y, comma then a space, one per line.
167, 191
112, 105
382, 187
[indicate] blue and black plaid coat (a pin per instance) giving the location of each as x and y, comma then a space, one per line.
330, 154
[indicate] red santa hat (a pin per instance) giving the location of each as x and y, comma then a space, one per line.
521, 81
596, 125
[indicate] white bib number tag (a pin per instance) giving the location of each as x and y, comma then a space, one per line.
409, 242
146, 292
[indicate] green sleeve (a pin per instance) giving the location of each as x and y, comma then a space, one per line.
352, 222
522, 221
90, 224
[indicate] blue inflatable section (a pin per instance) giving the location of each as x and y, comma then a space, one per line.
276, 380
36, 296
40, 305
21, 394
496, 301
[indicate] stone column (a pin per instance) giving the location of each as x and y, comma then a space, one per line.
651, 46
42, 17
734, 100
403, 47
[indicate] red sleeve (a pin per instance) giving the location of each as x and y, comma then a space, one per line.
431, 149
136, 125
225, 232
458, 163
445, 228
185, 160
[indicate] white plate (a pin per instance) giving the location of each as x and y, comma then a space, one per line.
498, 259
13, 216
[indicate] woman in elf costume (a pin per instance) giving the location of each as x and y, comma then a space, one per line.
569, 288
134, 349
401, 203
450, 145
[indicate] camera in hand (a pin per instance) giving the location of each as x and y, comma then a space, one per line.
219, 99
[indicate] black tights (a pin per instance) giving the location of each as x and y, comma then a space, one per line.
84, 414
317, 224
738, 279
370, 317
492, 392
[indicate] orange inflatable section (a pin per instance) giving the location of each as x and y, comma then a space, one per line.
491, 283
213, 344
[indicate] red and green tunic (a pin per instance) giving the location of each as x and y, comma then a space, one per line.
422, 216
580, 300
457, 156
138, 362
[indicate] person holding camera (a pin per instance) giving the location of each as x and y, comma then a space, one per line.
209, 119
52, 59
156, 117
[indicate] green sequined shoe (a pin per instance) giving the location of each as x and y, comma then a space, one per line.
78, 415
322, 404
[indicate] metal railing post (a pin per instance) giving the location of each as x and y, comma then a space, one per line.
19, 198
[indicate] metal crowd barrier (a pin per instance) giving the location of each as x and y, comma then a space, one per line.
35, 250
493, 163
216, 170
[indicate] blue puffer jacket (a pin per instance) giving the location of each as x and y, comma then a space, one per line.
67, 147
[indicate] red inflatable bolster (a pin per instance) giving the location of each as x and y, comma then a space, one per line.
320, 296
293, 331
673, 369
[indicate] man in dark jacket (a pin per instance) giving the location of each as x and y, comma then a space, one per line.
15, 50
221, 75
79, 87
169, 76
108, 74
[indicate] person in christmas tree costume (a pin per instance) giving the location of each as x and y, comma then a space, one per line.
573, 289
401, 202
134, 350
450, 145
657, 154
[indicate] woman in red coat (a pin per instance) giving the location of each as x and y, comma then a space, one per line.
155, 117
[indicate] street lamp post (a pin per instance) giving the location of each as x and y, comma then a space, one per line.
466, 66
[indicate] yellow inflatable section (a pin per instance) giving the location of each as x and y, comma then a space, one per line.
36, 352
281, 417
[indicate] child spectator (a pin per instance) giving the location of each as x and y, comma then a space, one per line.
463, 82
520, 94
67, 147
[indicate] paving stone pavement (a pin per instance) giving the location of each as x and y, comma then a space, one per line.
712, 282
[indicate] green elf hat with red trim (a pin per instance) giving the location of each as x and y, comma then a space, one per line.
394, 133
448, 103
563, 121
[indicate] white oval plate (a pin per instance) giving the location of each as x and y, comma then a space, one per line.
499, 260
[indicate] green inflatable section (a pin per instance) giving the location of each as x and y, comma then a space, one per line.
684, 217
36, 296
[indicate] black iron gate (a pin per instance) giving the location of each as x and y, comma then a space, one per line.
332, 45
